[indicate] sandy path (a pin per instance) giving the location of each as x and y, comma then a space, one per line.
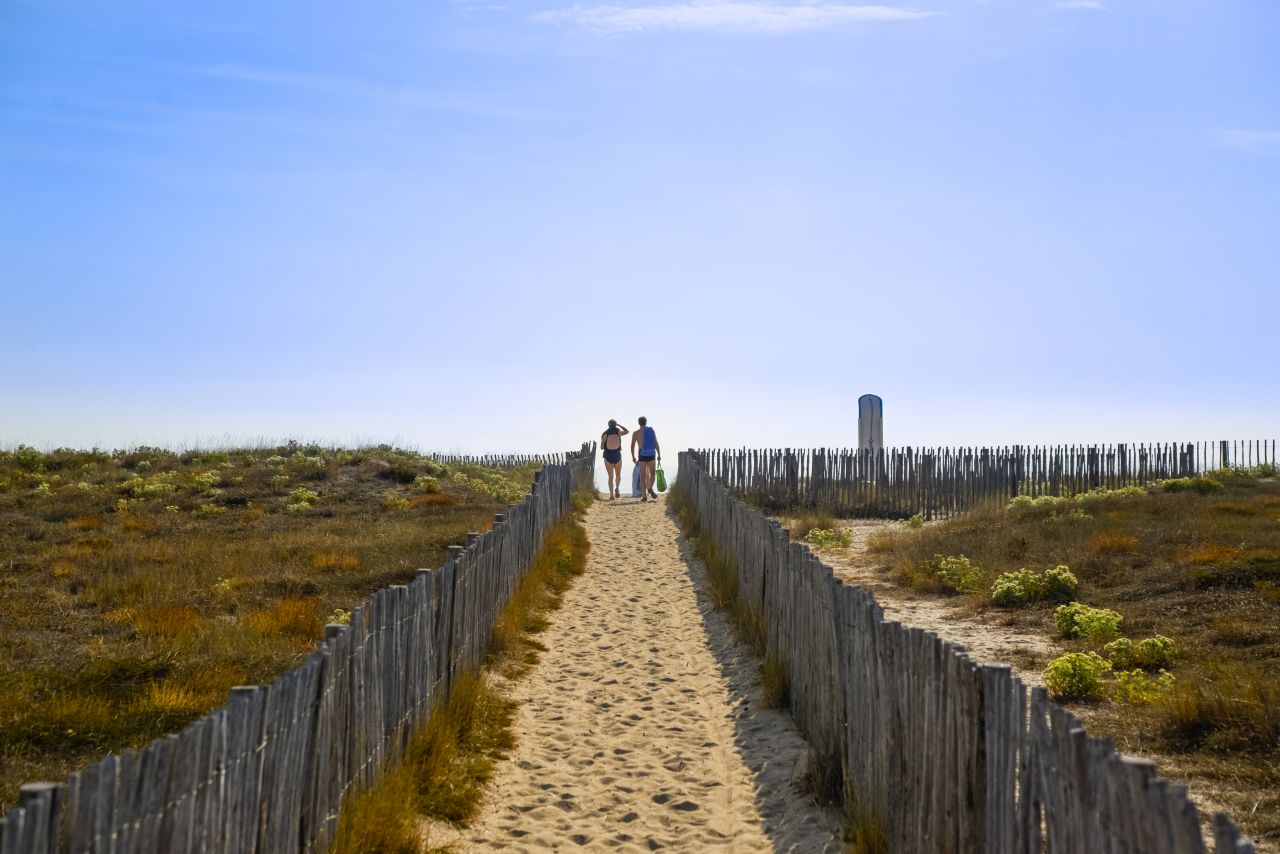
640, 728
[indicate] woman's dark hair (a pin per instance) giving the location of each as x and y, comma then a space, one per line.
612, 423
643, 421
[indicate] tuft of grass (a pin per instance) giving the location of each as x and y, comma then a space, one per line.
563, 556
816, 520
433, 499
1236, 709
775, 683
334, 560
375, 821
1114, 543
864, 831
289, 616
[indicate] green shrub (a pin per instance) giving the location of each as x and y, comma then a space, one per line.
1060, 584
1139, 689
916, 521
1102, 494
1076, 676
829, 538
1120, 653
302, 495
1015, 589
1078, 620
426, 483
1199, 485
394, 501
1155, 653
1020, 502
956, 572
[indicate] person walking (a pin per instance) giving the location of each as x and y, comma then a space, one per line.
611, 445
650, 453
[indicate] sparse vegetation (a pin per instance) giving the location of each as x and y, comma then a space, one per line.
139, 586
951, 574
829, 538
1139, 688
1193, 566
1015, 589
1077, 676
1078, 620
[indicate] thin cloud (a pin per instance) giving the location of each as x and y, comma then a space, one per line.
1253, 141
345, 88
1089, 5
750, 16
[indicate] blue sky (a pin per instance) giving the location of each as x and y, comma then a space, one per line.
476, 226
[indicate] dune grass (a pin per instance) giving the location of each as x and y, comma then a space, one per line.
136, 588
451, 758
1195, 560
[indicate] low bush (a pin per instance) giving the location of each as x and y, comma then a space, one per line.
1137, 688
829, 538
1155, 653
1015, 589
1077, 676
1198, 485
955, 573
1078, 620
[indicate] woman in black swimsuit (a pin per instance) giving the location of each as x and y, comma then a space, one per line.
611, 444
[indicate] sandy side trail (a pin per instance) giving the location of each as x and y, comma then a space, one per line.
640, 729
982, 635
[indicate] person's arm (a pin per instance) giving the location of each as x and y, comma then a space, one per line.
656, 447
635, 437
622, 431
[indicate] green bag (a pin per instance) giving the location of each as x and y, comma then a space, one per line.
661, 478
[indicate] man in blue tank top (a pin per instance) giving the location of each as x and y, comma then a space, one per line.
650, 453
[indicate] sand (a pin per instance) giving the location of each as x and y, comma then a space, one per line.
641, 728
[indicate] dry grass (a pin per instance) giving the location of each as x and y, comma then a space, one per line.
451, 758
1200, 567
140, 586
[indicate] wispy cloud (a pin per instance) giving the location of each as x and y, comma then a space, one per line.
1089, 5
1254, 141
743, 16
339, 87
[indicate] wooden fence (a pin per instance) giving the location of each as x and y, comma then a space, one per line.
268, 771
943, 754
939, 482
